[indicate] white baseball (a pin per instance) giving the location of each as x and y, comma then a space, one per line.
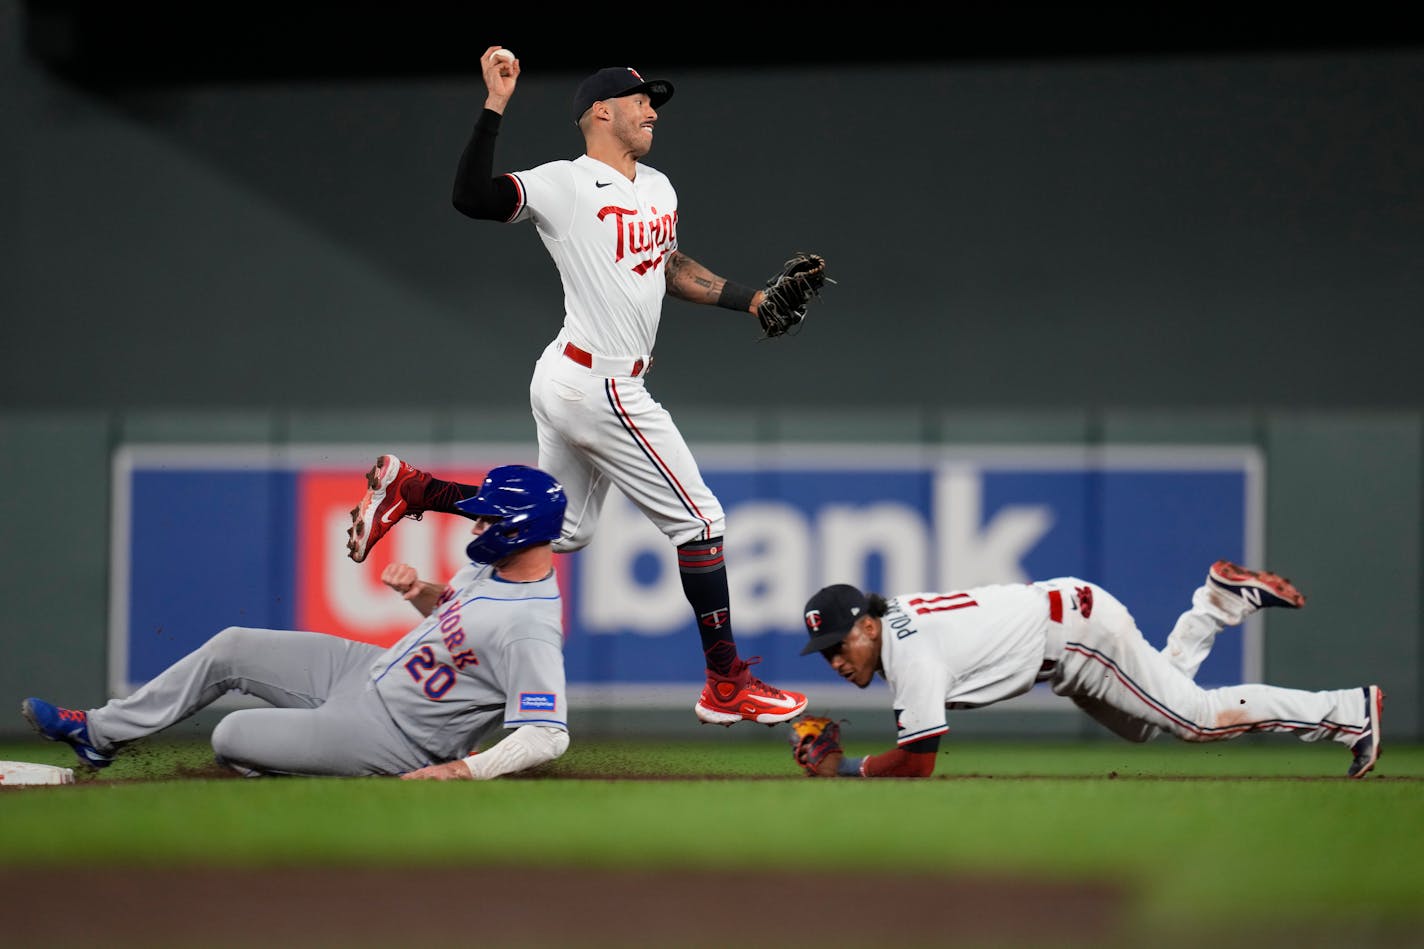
504, 54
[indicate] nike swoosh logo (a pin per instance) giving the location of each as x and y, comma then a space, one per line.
784, 702
602, 184
386, 518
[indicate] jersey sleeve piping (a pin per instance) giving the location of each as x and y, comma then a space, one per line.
551, 722
518, 197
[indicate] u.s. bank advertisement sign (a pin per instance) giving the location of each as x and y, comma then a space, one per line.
210, 537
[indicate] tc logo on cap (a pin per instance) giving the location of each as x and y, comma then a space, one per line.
813, 620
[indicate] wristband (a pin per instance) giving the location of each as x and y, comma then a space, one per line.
734, 296
850, 767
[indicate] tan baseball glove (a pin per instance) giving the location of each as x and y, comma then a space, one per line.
812, 738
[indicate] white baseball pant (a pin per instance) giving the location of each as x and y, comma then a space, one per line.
1110, 670
598, 426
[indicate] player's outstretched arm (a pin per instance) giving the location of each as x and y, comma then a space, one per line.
816, 747
778, 309
688, 280
896, 763
523, 748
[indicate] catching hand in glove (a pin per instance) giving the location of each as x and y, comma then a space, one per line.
816, 745
789, 293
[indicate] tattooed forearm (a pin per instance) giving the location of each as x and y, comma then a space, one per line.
688, 280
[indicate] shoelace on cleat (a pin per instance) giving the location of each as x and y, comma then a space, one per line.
70, 715
755, 684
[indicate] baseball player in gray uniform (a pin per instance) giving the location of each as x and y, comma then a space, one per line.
489, 654
610, 223
974, 647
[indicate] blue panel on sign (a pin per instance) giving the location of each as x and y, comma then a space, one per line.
1146, 535
1161, 533
209, 549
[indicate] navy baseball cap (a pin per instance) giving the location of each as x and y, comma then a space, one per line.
830, 614
615, 82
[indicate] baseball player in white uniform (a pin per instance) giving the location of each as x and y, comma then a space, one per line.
975, 647
610, 223
488, 655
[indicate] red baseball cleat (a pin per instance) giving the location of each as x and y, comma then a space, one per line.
740, 696
392, 492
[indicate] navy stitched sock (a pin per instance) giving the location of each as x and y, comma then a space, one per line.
704, 583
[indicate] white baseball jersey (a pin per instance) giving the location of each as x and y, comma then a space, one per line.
490, 653
985, 644
960, 650
609, 237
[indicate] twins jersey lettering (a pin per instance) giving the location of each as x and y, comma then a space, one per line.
489, 654
609, 238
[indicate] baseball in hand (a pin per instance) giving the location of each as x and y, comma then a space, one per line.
504, 54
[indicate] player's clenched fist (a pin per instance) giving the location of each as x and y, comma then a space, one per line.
421, 594
402, 578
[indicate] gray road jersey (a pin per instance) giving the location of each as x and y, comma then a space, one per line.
490, 654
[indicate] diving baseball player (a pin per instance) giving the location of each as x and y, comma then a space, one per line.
610, 224
488, 655
975, 647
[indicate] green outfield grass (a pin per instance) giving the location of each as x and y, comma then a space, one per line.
1265, 834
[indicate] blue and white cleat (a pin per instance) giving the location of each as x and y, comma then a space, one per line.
66, 725
1367, 749
1258, 589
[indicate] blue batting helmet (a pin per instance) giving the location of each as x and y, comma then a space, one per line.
528, 505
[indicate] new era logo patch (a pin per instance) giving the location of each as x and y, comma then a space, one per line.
536, 702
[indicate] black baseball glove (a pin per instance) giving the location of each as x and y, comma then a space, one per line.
790, 292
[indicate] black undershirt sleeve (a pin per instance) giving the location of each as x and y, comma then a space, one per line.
478, 193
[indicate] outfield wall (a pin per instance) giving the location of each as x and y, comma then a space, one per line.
1339, 514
